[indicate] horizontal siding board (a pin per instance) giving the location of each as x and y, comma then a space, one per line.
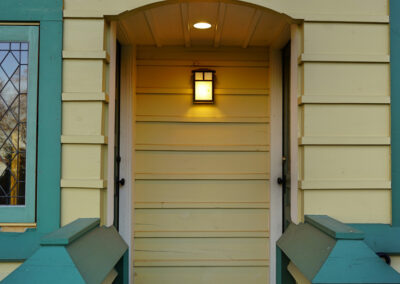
343, 99
203, 54
215, 119
350, 206
201, 222
363, 79
345, 140
206, 191
201, 275
204, 163
82, 118
237, 106
345, 184
217, 91
346, 38
346, 120
202, 134
201, 252
347, 163
203, 148
180, 77
202, 63
202, 176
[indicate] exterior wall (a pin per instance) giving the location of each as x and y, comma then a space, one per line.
84, 128
344, 122
202, 171
344, 154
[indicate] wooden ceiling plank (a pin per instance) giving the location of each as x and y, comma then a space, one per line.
185, 23
150, 22
252, 27
220, 24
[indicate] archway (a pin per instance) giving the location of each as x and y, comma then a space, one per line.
160, 44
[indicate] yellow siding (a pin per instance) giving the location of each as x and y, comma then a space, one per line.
297, 275
343, 123
201, 275
84, 127
201, 192
8, 267
344, 134
364, 9
395, 262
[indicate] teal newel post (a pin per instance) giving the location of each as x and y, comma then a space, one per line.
395, 107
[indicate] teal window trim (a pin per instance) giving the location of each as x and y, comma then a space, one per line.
26, 213
395, 108
48, 14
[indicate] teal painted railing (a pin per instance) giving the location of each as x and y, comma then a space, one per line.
328, 251
80, 252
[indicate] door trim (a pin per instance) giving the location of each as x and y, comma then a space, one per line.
276, 209
127, 122
128, 71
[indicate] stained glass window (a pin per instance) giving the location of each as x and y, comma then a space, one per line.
19, 49
13, 116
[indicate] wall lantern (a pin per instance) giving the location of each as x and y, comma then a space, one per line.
203, 86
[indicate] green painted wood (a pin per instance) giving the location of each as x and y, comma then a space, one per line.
334, 228
48, 13
29, 34
97, 252
122, 268
45, 266
30, 10
18, 246
71, 232
352, 261
81, 252
49, 127
307, 247
283, 276
395, 107
381, 237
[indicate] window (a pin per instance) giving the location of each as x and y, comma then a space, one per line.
18, 122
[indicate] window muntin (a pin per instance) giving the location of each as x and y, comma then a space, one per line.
13, 110
18, 118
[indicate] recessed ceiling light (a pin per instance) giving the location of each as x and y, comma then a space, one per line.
202, 25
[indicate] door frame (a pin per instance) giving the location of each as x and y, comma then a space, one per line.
127, 138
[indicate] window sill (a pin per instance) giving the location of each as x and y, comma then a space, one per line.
16, 227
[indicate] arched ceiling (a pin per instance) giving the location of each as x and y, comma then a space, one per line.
232, 25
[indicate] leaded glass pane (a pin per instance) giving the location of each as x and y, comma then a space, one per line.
13, 113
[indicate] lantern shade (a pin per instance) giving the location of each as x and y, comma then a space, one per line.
203, 86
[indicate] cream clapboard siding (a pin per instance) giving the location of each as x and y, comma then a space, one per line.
84, 124
395, 262
344, 134
201, 189
343, 71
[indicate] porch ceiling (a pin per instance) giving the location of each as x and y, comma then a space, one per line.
232, 25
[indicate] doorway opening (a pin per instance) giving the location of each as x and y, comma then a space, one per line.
201, 200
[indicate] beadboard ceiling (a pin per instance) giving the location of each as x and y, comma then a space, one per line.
232, 25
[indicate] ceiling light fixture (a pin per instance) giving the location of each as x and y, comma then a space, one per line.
202, 25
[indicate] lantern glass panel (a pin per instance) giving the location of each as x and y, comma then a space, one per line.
199, 76
203, 91
208, 76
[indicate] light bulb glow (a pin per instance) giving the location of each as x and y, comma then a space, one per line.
202, 25
203, 91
